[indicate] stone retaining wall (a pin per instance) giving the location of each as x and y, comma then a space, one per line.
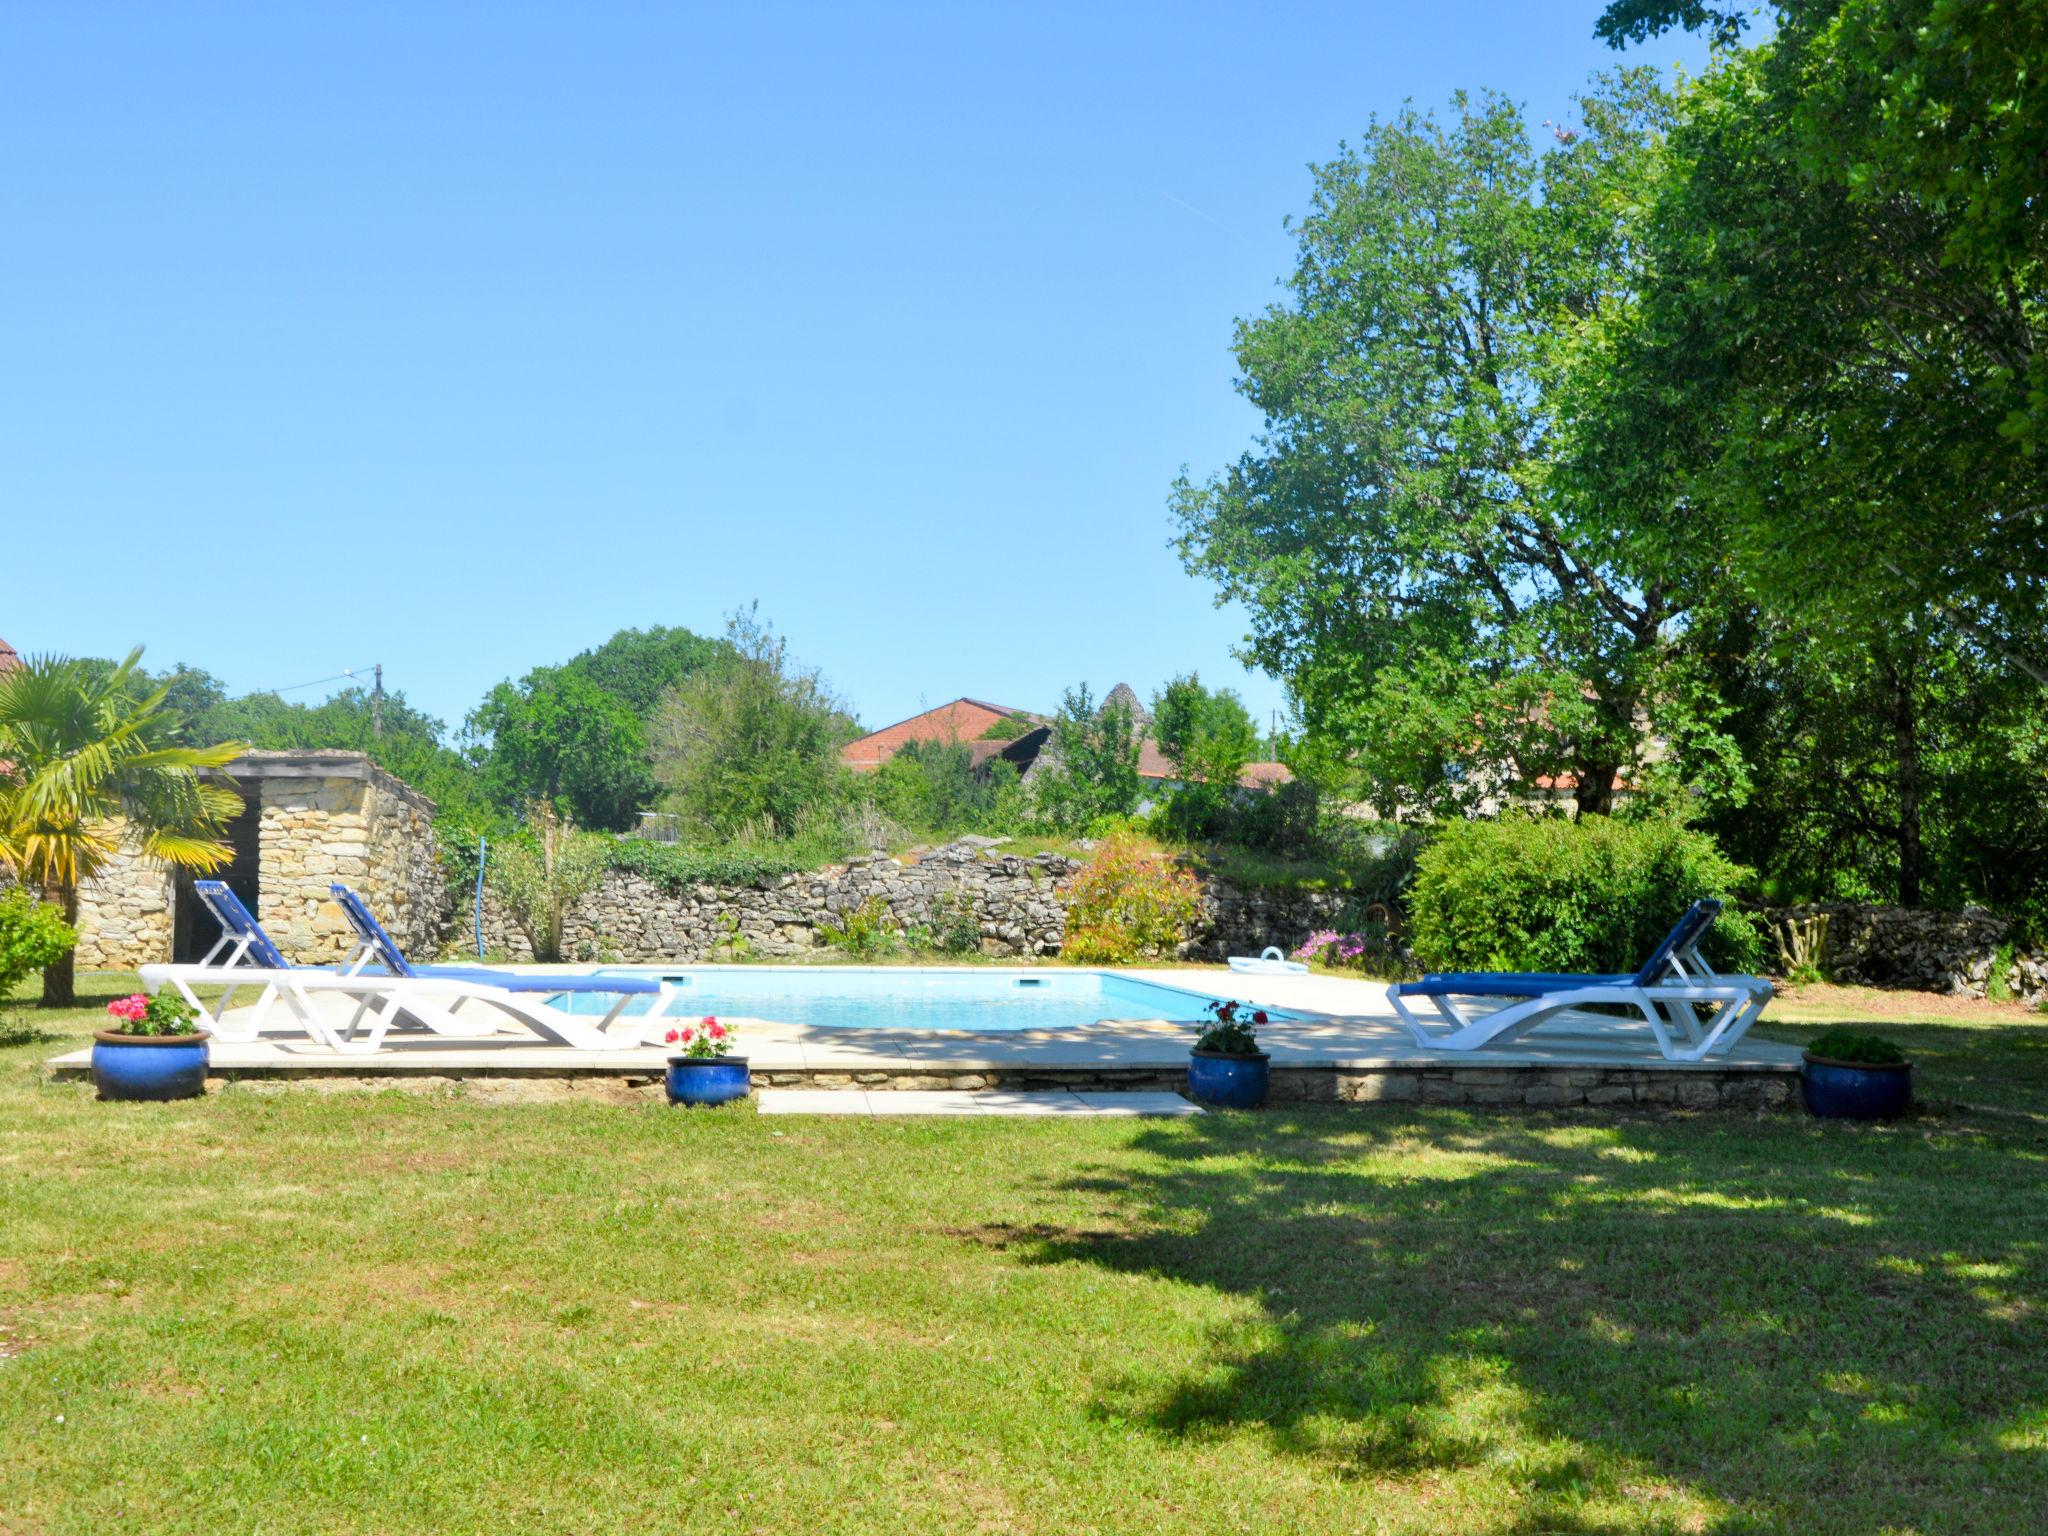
1012, 903
1510, 1088
1950, 952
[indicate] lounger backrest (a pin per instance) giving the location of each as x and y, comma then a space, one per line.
1692, 927
236, 921
371, 932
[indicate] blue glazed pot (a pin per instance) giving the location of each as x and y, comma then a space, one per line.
1228, 1082
148, 1067
1841, 1090
706, 1079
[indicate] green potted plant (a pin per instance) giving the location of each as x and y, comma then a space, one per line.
152, 1051
1850, 1076
1226, 1067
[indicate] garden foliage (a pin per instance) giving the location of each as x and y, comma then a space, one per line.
542, 874
1551, 894
1128, 904
33, 934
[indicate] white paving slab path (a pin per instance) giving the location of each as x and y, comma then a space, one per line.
915, 1101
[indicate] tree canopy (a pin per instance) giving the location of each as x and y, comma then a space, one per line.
1440, 602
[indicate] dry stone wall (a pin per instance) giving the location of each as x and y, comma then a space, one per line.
1012, 902
1952, 952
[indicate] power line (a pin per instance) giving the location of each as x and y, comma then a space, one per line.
344, 672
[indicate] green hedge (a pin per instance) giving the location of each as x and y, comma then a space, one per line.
1527, 894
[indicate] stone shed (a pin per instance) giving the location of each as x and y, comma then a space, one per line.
309, 818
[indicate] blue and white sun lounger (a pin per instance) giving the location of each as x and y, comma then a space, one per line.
1670, 991
245, 956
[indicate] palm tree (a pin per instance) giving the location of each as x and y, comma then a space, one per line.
88, 755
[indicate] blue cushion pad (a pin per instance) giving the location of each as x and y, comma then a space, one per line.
1506, 984
516, 981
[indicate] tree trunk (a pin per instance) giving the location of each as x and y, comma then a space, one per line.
60, 976
1596, 789
1906, 735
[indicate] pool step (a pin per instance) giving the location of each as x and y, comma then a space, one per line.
918, 1101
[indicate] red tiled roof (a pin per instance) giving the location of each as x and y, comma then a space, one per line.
9, 657
1153, 764
962, 720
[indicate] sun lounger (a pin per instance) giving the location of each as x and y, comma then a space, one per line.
1690, 1008
246, 957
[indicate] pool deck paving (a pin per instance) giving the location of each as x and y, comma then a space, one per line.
1344, 1043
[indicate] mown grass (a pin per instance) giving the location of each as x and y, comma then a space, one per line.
303, 1312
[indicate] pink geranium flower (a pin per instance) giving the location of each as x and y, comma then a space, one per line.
131, 1008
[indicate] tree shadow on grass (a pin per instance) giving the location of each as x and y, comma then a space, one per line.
1816, 1328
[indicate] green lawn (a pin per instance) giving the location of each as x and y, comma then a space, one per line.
299, 1311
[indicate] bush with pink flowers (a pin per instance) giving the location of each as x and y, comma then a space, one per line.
704, 1039
1370, 951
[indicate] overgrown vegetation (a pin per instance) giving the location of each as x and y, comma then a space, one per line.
541, 877
1546, 894
33, 934
1128, 904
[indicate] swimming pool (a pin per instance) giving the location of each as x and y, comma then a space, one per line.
843, 997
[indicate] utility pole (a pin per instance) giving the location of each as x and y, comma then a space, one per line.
377, 703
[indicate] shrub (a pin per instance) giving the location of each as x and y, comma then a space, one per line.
1128, 904
1858, 1050
543, 874
1526, 894
1368, 951
33, 934
955, 927
864, 932
675, 868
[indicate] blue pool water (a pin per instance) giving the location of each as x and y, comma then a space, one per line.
909, 998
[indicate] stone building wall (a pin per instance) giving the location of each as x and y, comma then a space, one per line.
1014, 903
361, 827
322, 817
124, 916
1951, 952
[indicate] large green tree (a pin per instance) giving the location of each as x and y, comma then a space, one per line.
1091, 762
557, 736
577, 734
751, 742
1208, 736
1439, 602
1841, 352
90, 759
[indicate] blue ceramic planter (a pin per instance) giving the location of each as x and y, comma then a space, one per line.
1228, 1082
148, 1067
706, 1079
1840, 1090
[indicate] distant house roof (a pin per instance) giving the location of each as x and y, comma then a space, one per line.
8, 656
962, 720
1153, 764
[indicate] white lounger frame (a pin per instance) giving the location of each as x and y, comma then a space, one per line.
1671, 1009
383, 1001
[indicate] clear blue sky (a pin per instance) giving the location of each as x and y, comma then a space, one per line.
458, 336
